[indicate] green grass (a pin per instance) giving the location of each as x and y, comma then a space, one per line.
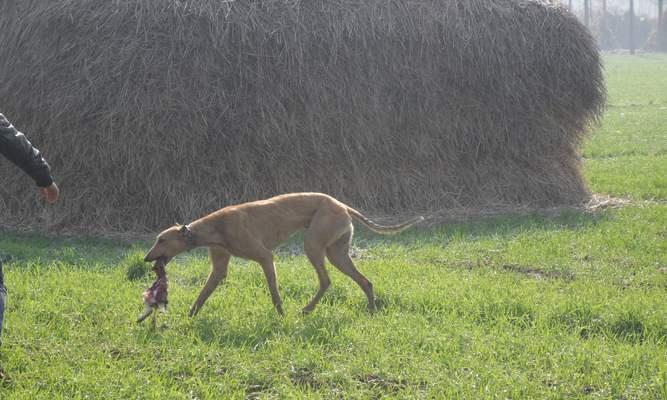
573, 306
627, 155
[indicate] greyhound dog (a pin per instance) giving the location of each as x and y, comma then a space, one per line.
252, 230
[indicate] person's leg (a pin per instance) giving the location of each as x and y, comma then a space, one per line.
3, 299
4, 378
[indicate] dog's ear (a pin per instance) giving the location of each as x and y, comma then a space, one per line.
186, 232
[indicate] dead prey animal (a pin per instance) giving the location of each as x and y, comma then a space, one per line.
155, 297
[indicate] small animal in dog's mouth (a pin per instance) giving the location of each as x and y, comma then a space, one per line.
155, 297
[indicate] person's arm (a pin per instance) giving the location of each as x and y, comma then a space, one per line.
18, 149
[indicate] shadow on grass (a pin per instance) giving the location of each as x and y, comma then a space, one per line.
501, 227
508, 226
77, 250
486, 312
629, 327
74, 250
315, 330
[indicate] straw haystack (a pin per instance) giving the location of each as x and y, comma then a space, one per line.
152, 111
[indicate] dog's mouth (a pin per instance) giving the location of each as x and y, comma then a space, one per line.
160, 264
163, 260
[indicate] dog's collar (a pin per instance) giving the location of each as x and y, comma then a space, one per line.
188, 235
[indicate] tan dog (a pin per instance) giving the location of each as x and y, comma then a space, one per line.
252, 230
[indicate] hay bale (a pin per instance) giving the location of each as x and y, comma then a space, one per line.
152, 111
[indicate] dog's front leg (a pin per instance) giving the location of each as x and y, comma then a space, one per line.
219, 267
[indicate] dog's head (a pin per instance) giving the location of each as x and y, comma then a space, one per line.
171, 242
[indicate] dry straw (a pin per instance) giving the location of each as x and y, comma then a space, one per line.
155, 111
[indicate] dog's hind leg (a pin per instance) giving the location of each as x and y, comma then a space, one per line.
315, 253
327, 225
219, 266
338, 254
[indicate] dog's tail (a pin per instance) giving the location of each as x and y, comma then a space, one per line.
383, 229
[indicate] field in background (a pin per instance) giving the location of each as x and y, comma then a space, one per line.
627, 155
573, 306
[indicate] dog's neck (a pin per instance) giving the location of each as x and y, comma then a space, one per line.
202, 233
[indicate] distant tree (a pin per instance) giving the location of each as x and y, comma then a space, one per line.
605, 37
632, 27
662, 28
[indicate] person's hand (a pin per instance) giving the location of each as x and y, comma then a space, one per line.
51, 193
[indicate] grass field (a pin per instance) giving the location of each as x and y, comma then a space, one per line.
572, 306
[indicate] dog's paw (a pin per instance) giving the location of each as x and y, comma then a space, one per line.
148, 310
307, 311
193, 311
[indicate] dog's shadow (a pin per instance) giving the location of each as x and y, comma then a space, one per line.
314, 329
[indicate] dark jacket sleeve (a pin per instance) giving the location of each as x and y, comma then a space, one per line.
18, 149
